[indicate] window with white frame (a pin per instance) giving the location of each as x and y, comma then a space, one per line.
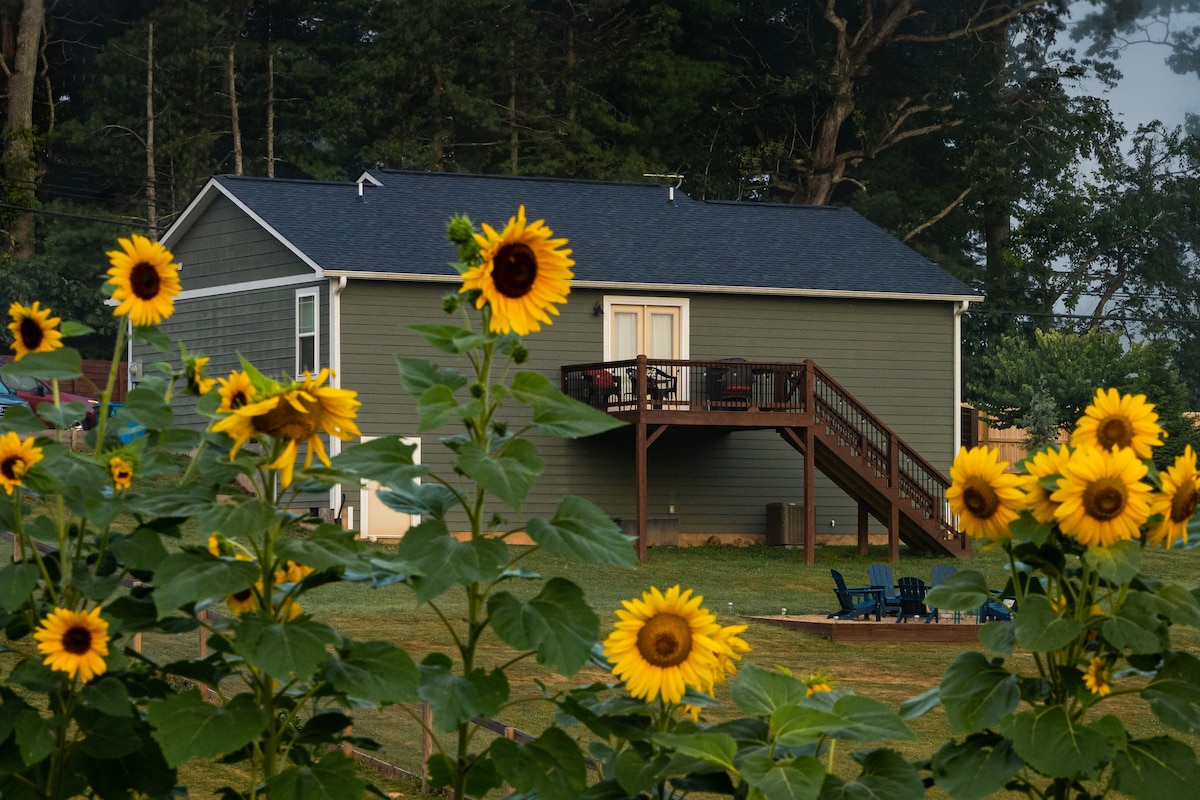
307, 332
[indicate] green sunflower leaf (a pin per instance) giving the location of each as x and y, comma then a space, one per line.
864, 719
509, 475
1151, 769
70, 329
457, 699
795, 726
141, 550
799, 779
558, 624
551, 767
1174, 692
1178, 605
1039, 629
885, 775
62, 364
1050, 742
375, 671
184, 578
189, 500
448, 338
976, 768
386, 460
718, 749
17, 582
443, 561
583, 531
331, 778
978, 693
1117, 563
555, 414
759, 692
284, 649
186, 726
146, 407
418, 375
434, 406
1137, 626
153, 336
963, 591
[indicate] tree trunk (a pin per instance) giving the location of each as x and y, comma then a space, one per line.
20, 168
151, 187
514, 137
235, 126
270, 115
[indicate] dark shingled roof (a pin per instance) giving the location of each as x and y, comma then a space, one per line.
621, 233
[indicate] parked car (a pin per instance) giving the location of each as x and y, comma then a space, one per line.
8, 399
34, 392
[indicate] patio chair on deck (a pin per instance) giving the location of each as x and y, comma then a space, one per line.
732, 384
602, 387
660, 384
880, 575
912, 599
855, 601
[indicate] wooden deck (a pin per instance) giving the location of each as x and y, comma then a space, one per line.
887, 630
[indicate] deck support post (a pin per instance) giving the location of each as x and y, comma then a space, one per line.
641, 471
863, 521
810, 503
893, 456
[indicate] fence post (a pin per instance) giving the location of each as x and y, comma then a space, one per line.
347, 747
426, 743
202, 650
510, 733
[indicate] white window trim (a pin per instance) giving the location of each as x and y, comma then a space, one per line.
363, 514
315, 294
685, 325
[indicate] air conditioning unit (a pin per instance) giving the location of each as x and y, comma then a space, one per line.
785, 523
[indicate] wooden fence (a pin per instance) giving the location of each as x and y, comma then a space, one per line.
95, 378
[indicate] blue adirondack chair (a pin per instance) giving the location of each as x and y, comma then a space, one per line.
880, 576
937, 576
912, 599
856, 601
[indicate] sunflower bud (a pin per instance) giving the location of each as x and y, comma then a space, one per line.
501, 428
519, 354
451, 303
460, 230
477, 390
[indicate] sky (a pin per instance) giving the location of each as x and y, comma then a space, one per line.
1149, 89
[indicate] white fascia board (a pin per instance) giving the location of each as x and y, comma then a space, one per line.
248, 286
202, 202
664, 288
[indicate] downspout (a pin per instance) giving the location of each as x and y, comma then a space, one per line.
959, 310
335, 366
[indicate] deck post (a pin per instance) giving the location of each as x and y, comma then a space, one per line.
893, 507
641, 477
810, 503
863, 522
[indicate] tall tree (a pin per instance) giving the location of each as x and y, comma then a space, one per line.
20, 165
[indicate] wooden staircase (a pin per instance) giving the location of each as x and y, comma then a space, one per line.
868, 461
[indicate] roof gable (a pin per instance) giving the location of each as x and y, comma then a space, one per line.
622, 234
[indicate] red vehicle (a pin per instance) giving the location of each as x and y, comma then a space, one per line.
35, 392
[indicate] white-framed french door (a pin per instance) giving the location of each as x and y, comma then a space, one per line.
656, 327
377, 520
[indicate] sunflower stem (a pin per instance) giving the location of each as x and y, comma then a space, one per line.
106, 395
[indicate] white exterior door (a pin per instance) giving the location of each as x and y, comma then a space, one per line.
378, 520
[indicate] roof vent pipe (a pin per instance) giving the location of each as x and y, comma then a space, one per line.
670, 189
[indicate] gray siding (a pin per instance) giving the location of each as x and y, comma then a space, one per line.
896, 357
224, 246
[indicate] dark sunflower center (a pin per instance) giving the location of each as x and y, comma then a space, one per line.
980, 498
77, 641
286, 422
144, 281
1183, 504
238, 400
665, 640
1114, 431
1104, 499
514, 270
12, 467
242, 596
32, 333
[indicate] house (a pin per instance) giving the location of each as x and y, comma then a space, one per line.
301, 275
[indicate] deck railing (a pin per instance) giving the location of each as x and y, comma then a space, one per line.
651, 384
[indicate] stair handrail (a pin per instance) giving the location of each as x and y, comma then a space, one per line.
923, 484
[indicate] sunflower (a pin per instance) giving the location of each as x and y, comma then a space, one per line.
291, 572
33, 329
236, 391
145, 280
1177, 501
1101, 497
241, 602
982, 494
1097, 678
73, 642
298, 412
817, 682
1043, 465
663, 644
121, 467
193, 369
523, 274
1119, 420
17, 456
